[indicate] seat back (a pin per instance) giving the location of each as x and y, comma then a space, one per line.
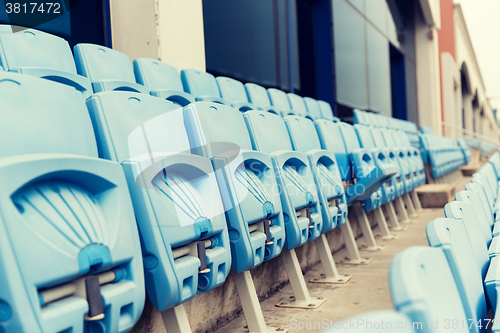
298, 105
365, 136
426, 130
257, 95
101, 63
479, 189
268, 132
350, 137
279, 99
360, 117
199, 83
170, 189
331, 139
451, 236
378, 137
106, 68
156, 75
59, 201
44, 115
465, 212
389, 139
327, 112
247, 177
305, 139
302, 133
313, 110
43, 55
33, 48
422, 287
232, 90
219, 125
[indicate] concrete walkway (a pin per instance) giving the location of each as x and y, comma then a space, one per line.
367, 291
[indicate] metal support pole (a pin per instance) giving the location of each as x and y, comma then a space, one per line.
331, 274
301, 298
371, 244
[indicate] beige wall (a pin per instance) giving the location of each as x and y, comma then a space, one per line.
168, 30
451, 96
428, 76
464, 53
182, 40
133, 28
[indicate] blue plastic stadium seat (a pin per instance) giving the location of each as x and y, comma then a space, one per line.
280, 102
383, 122
414, 158
393, 157
43, 55
375, 321
327, 112
298, 105
422, 287
162, 80
246, 179
360, 117
492, 288
313, 110
258, 96
443, 154
234, 92
354, 163
426, 130
202, 86
365, 164
325, 169
465, 211
495, 160
405, 168
70, 257
380, 157
451, 236
295, 178
176, 199
106, 68
479, 189
483, 212
5, 29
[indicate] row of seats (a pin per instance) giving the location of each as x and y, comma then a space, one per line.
454, 283
465, 150
168, 156
442, 154
485, 147
381, 121
205, 187
151, 76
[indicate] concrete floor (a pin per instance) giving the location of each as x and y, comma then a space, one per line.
368, 290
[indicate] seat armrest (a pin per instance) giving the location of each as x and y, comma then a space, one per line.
79, 82
244, 106
118, 85
295, 158
178, 97
19, 170
212, 99
146, 167
368, 184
